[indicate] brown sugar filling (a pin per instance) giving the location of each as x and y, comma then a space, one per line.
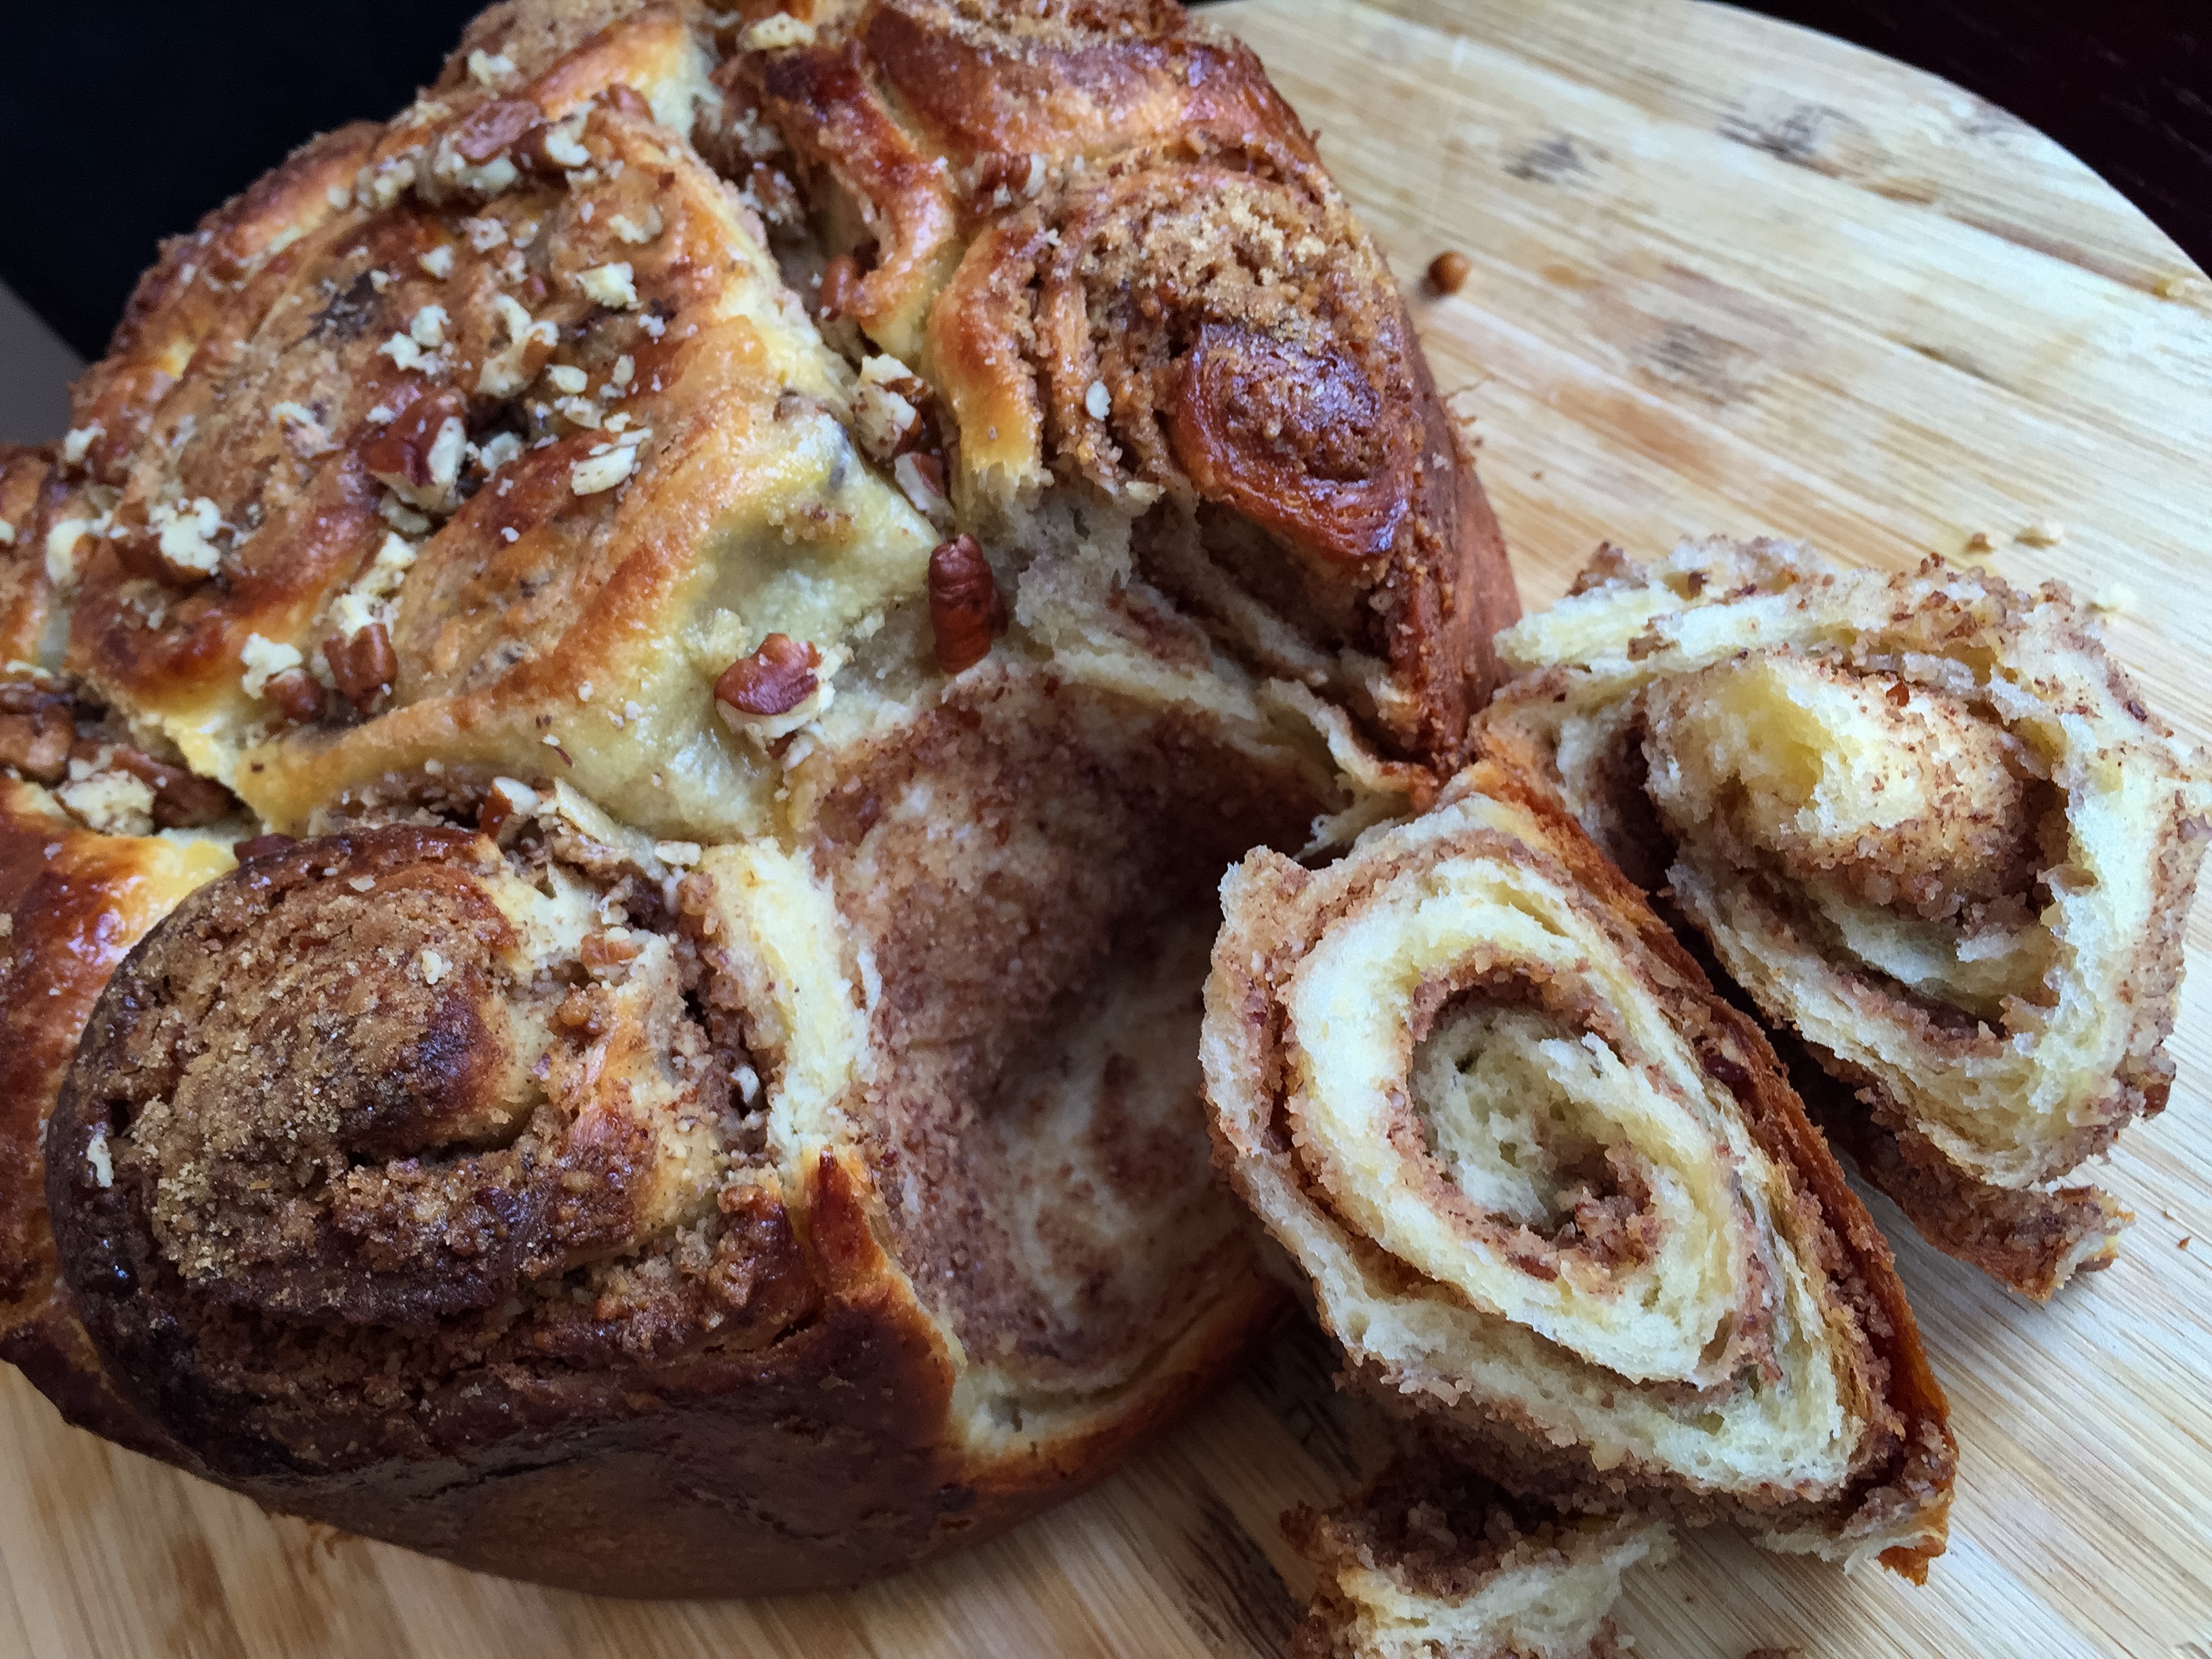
1938, 906
1036, 887
1570, 1194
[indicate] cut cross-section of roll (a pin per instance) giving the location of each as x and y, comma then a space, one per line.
1434, 1562
1930, 827
1556, 1199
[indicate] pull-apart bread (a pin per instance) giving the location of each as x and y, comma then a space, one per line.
609, 905
1559, 1204
1927, 825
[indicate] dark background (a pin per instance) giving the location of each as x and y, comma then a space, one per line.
126, 121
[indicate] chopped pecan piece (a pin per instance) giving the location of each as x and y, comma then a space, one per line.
1001, 170
182, 799
840, 283
37, 727
774, 680
416, 455
600, 950
297, 694
363, 665
495, 125
502, 802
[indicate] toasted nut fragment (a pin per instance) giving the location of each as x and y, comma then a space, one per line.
841, 281
168, 543
415, 456
1448, 271
363, 665
582, 1012
966, 610
774, 680
262, 846
297, 694
505, 801
495, 125
602, 950
182, 800
37, 727
1001, 170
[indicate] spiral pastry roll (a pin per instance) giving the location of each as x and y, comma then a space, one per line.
501, 1195
1556, 1199
1105, 285
1928, 824
1434, 1562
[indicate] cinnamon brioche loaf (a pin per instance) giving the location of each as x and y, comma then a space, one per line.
1555, 1200
690, 1086
1929, 827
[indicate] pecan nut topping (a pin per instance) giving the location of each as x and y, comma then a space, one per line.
774, 680
363, 665
297, 694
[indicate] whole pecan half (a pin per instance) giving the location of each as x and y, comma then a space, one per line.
966, 610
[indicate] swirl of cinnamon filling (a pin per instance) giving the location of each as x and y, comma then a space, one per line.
1556, 1199
1149, 337
1215, 330
1927, 823
495, 1081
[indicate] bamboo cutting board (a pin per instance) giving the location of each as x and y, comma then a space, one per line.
1729, 276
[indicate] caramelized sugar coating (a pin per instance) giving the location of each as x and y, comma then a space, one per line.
692, 1086
1151, 329
1931, 828
1555, 1197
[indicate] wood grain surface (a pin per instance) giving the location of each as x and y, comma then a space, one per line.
1728, 276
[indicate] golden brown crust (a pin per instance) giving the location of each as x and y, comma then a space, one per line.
1289, 1163
171, 328
595, 333
74, 904
495, 1345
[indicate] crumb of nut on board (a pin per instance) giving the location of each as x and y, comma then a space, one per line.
1448, 271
